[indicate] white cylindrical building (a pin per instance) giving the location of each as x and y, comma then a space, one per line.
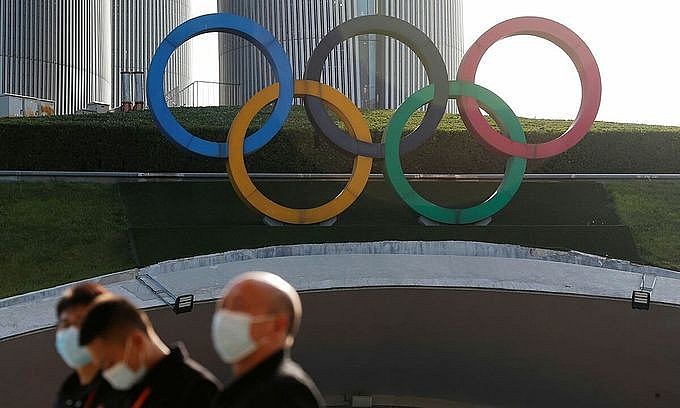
138, 27
73, 51
56, 50
373, 71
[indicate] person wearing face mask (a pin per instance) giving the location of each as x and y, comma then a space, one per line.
134, 360
85, 388
253, 329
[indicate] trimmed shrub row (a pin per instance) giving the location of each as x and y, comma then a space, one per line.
131, 142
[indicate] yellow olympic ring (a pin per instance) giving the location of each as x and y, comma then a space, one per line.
243, 184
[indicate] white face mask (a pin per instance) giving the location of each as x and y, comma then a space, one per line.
120, 375
68, 347
231, 335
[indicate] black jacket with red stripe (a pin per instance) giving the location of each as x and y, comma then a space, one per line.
176, 381
98, 393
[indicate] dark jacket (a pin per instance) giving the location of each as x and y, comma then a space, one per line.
176, 381
276, 382
95, 394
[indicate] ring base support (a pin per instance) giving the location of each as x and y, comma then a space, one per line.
431, 223
270, 222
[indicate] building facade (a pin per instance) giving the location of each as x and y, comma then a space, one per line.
72, 51
375, 72
56, 50
138, 26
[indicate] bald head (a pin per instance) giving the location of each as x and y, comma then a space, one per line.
263, 293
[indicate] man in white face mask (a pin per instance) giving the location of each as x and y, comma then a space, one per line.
85, 387
253, 329
134, 360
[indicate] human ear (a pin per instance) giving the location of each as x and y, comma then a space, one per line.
283, 323
136, 355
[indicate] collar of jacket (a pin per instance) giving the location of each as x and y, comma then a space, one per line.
164, 371
267, 368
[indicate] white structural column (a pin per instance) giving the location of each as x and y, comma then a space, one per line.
138, 26
371, 70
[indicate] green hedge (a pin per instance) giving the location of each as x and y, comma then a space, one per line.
131, 142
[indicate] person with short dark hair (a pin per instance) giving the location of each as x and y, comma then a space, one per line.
85, 388
134, 360
253, 329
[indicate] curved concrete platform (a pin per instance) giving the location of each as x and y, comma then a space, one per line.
416, 324
361, 265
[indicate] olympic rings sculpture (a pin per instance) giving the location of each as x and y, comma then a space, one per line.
511, 141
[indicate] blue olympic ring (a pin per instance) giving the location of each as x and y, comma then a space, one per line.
232, 24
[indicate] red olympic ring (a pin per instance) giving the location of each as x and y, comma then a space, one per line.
573, 46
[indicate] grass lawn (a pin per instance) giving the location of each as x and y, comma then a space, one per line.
652, 211
53, 233
56, 233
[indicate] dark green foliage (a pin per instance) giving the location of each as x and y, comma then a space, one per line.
131, 142
173, 220
56, 233
652, 211
52, 233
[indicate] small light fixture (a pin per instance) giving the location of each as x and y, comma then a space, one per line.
363, 401
183, 304
641, 300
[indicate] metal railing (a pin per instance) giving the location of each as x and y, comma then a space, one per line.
204, 93
20, 175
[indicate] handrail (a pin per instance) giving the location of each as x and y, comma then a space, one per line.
22, 175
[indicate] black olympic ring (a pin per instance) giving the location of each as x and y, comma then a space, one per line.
417, 41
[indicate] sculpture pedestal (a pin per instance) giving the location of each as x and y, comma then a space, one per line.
430, 223
274, 223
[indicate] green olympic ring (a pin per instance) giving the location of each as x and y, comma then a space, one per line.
514, 169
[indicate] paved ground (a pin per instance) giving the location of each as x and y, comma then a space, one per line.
490, 325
